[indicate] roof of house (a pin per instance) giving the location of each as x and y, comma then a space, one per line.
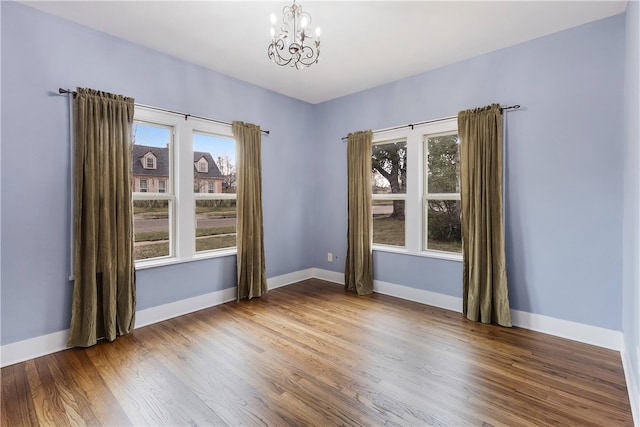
162, 162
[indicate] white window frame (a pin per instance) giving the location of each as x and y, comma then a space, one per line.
162, 186
182, 224
433, 196
203, 165
415, 227
144, 189
392, 196
213, 196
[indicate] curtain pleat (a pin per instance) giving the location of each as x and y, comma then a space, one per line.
252, 276
485, 293
358, 270
104, 292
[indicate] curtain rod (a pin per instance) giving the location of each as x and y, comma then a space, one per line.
411, 125
186, 115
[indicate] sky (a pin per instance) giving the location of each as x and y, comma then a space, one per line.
159, 136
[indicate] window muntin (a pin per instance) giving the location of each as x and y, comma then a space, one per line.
388, 187
152, 201
442, 210
215, 212
416, 196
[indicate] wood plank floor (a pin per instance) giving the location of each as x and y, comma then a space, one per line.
311, 354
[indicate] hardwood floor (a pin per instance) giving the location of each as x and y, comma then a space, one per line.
311, 354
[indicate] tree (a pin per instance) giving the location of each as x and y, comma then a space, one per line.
228, 171
390, 161
443, 164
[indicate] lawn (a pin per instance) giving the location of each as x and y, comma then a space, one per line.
390, 231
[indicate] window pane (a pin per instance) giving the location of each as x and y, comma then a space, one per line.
151, 228
214, 164
389, 168
443, 225
443, 164
150, 142
215, 224
388, 222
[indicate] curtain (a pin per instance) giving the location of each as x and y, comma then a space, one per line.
104, 291
358, 270
252, 276
485, 294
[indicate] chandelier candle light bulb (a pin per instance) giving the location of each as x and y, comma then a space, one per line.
295, 45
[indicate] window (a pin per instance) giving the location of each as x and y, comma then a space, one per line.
152, 212
442, 193
151, 162
172, 223
203, 166
389, 180
215, 213
415, 199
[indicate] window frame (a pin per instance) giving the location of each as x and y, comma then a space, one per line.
151, 157
391, 196
182, 222
427, 196
208, 195
415, 221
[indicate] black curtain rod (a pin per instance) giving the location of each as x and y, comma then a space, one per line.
186, 115
411, 125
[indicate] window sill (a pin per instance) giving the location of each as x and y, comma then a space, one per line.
143, 265
449, 256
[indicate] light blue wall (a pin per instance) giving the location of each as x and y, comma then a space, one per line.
41, 53
631, 213
563, 169
564, 166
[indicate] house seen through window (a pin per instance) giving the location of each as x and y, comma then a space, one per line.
171, 221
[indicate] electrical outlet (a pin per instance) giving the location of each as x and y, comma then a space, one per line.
329, 257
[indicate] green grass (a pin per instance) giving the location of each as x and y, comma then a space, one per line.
154, 250
216, 212
151, 236
216, 242
388, 231
214, 231
438, 245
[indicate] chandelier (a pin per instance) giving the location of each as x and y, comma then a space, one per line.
294, 44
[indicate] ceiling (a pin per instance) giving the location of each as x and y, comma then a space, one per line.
364, 43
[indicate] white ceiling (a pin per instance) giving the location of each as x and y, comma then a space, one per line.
364, 43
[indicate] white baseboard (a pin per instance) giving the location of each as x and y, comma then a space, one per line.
46, 344
588, 334
168, 311
328, 275
549, 325
31, 348
290, 278
632, 385
418, 295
